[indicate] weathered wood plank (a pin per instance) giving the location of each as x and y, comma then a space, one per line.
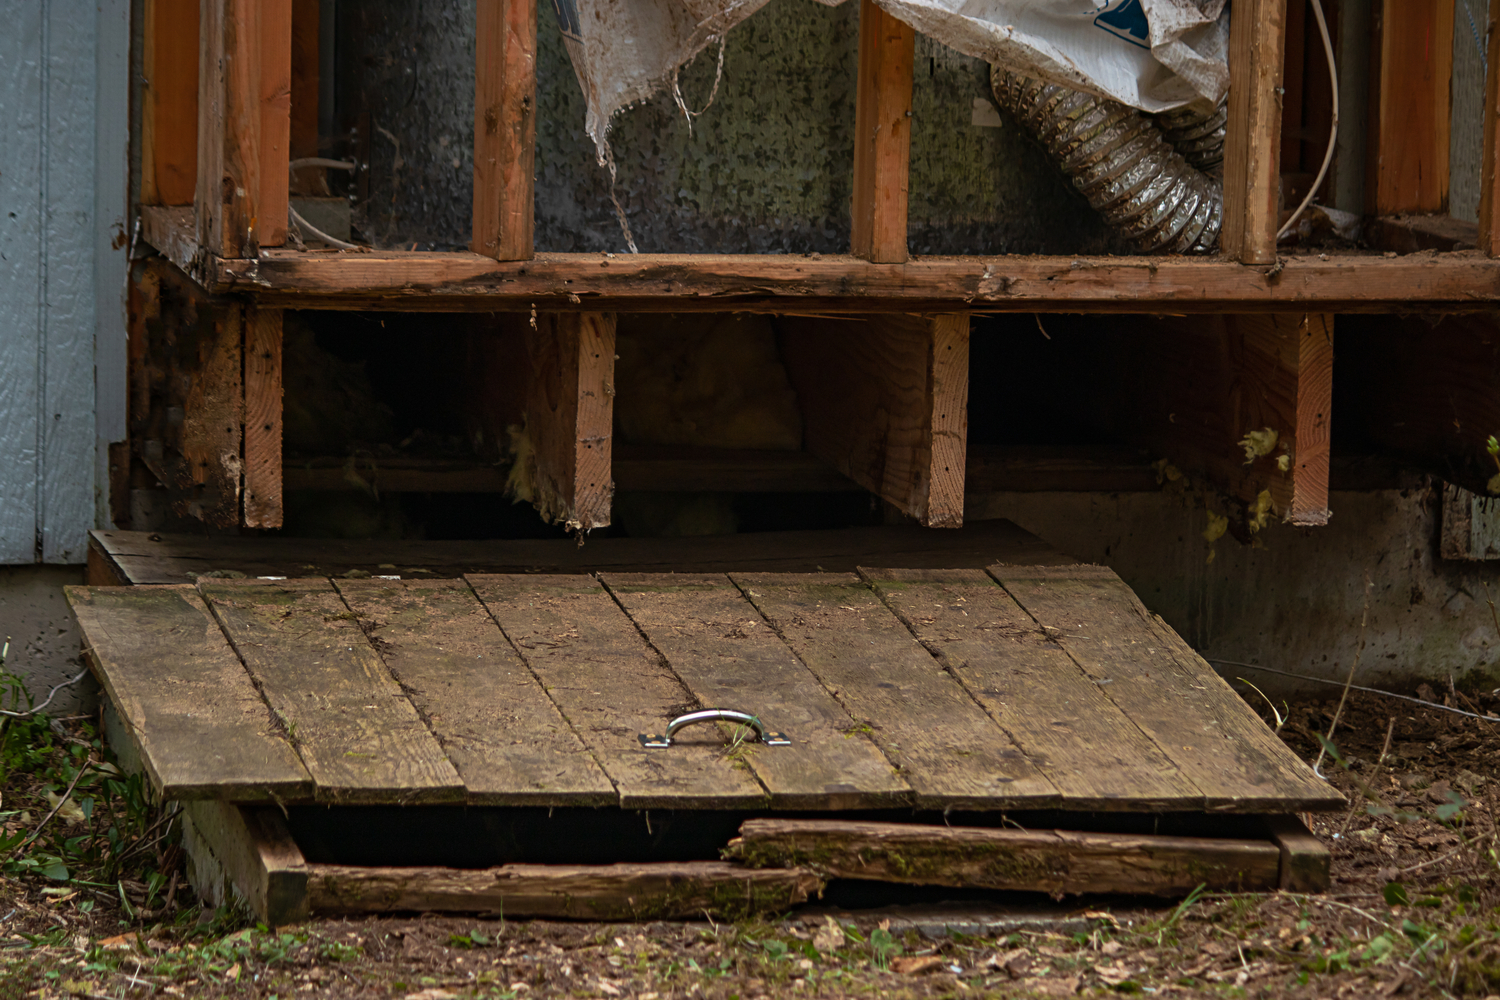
169, 103
882, 136
508, 741
211, 434
1305, 860
359, 737
611, 687
885, 401
569, 418
666, 891
504, 128
1408, 151
726, 655
274, 83
831, 284
946, 748
1053, 861
1166, 689
1079, 739
1252, 142
251, 850
262, 505
199, 725
225, 200
1489, 171
1195, 390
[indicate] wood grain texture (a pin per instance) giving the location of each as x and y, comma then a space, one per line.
263, 473
169, 102
508, 741
304, 104
199, 725
258, 857
1166, 689
211, 435
882, 136
1252, 144
357, 734
1080, 740
832, 284
504, 128
728, 657
275, 108
1408, 146
611, 687
228, 188
944, 745
1051, 861
570, 417
1489, 170
666, 891
1305, 860
151, 557
1191, 390
885, 402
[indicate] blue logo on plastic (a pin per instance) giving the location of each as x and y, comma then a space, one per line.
567, 18
1125, 19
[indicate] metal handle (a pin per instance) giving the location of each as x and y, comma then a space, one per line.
654, 741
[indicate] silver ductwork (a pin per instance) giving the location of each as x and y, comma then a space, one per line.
1145, 174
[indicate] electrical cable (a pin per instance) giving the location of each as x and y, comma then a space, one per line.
1358, 687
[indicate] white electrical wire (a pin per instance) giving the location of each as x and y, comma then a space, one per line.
311, 230
1333, 129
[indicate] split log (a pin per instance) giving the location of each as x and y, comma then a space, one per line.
580, 892
1052, 861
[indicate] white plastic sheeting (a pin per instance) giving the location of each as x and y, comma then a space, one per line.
1150, 54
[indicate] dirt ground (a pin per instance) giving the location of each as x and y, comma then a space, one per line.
1412, 912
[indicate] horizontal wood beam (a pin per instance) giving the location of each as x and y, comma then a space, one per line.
469, 282
885, 401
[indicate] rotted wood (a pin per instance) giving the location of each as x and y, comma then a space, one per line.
169, 102
1244, 401
246, 852
664, 891
833, 284
569, 418
885, 402
1052, 861
263, 390
1407, 158
504, 128
1252, 143
882, 136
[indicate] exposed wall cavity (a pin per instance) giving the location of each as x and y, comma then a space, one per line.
765, 169
1466, 138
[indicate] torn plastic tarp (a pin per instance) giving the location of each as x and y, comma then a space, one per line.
1150, 54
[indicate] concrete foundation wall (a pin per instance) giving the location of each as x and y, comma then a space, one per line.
1295, 604
44, 641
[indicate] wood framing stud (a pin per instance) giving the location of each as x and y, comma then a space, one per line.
1253, 141
569, 418
504, 128
885, 402
882, 131
169, 103
1408, 154
263, 386
1489, 190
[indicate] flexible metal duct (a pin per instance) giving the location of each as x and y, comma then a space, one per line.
1197, 135
1123, 163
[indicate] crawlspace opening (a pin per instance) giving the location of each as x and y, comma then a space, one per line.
485, 836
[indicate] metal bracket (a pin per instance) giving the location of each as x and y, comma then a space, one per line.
656, 741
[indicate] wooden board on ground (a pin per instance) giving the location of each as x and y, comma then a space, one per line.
358, 736
197, 722
507, 740
1079, 739
1054, 861
728, 657
611, 687
947, 749
1166, 689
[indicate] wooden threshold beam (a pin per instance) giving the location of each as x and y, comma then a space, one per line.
504, 128
1489, 184
882, 136
1408, 152
468, 282
244, 125
1242, 401
1252, 142
885, 402
169, 103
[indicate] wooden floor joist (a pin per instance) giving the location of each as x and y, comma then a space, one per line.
885, 402
570, 418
